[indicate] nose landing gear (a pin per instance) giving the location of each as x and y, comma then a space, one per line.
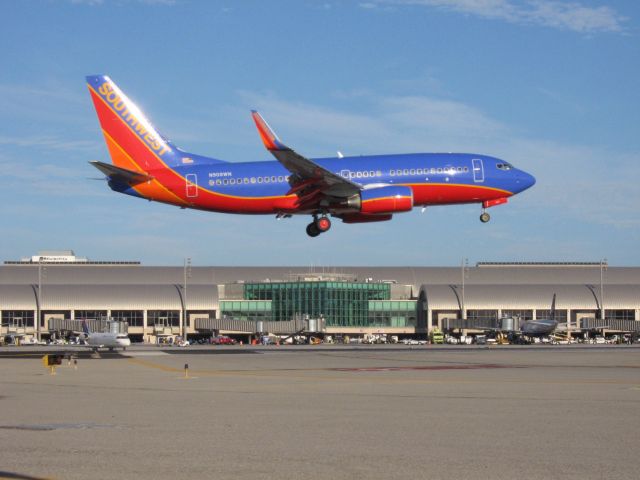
485, 217
318, 226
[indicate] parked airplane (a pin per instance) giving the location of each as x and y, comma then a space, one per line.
540, 327
354, 189
543, 326
104, 340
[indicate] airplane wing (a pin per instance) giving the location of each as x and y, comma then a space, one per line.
121, 174
310, 181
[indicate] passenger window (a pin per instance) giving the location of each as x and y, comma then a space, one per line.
246, 180
218, 182
259, 179
392, 173
232, 181
439, 170
419, 171
253, 179
266, 179
225, 181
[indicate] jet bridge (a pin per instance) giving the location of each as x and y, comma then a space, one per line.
306, 326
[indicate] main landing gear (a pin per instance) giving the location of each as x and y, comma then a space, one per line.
318, 226
485, 217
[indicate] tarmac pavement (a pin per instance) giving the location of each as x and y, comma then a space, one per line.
323, 412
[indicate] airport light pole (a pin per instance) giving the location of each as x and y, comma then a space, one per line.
187, 274
464, 264
603, 267
39, 309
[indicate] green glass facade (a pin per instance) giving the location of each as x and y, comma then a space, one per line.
342, 304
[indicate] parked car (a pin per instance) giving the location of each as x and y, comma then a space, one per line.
223, 340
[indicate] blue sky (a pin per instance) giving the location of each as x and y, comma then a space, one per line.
551, 86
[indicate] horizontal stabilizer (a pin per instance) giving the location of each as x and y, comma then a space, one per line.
120, 174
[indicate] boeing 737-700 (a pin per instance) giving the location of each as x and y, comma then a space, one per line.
368, 188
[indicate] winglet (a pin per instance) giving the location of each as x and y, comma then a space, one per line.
268, 136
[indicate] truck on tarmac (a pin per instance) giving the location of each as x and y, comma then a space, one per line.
436, 336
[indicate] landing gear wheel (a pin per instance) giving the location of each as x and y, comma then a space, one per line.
323, 224
485, 217
312, 230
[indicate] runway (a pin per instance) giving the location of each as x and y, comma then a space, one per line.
323, 412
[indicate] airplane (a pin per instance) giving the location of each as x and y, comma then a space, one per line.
109, 340
541, 327
355, 189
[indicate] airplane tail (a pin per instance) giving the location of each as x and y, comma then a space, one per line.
85, 328
133, 142
553, 308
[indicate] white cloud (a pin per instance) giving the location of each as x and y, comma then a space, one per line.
572, 16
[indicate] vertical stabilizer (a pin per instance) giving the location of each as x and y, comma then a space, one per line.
85, 328
133, 142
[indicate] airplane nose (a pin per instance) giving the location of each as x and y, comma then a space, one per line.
526, 180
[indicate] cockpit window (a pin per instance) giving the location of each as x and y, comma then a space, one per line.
504, 166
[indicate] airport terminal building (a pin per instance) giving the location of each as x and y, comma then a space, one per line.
44, 294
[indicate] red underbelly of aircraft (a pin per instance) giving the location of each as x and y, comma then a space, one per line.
447, 194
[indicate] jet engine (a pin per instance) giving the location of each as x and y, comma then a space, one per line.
387, 199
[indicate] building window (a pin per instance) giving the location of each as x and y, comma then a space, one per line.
135, 318
90, 314
482, 315
339, 303
560, 315
18, 318
523, 315
166, 318
620, 314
